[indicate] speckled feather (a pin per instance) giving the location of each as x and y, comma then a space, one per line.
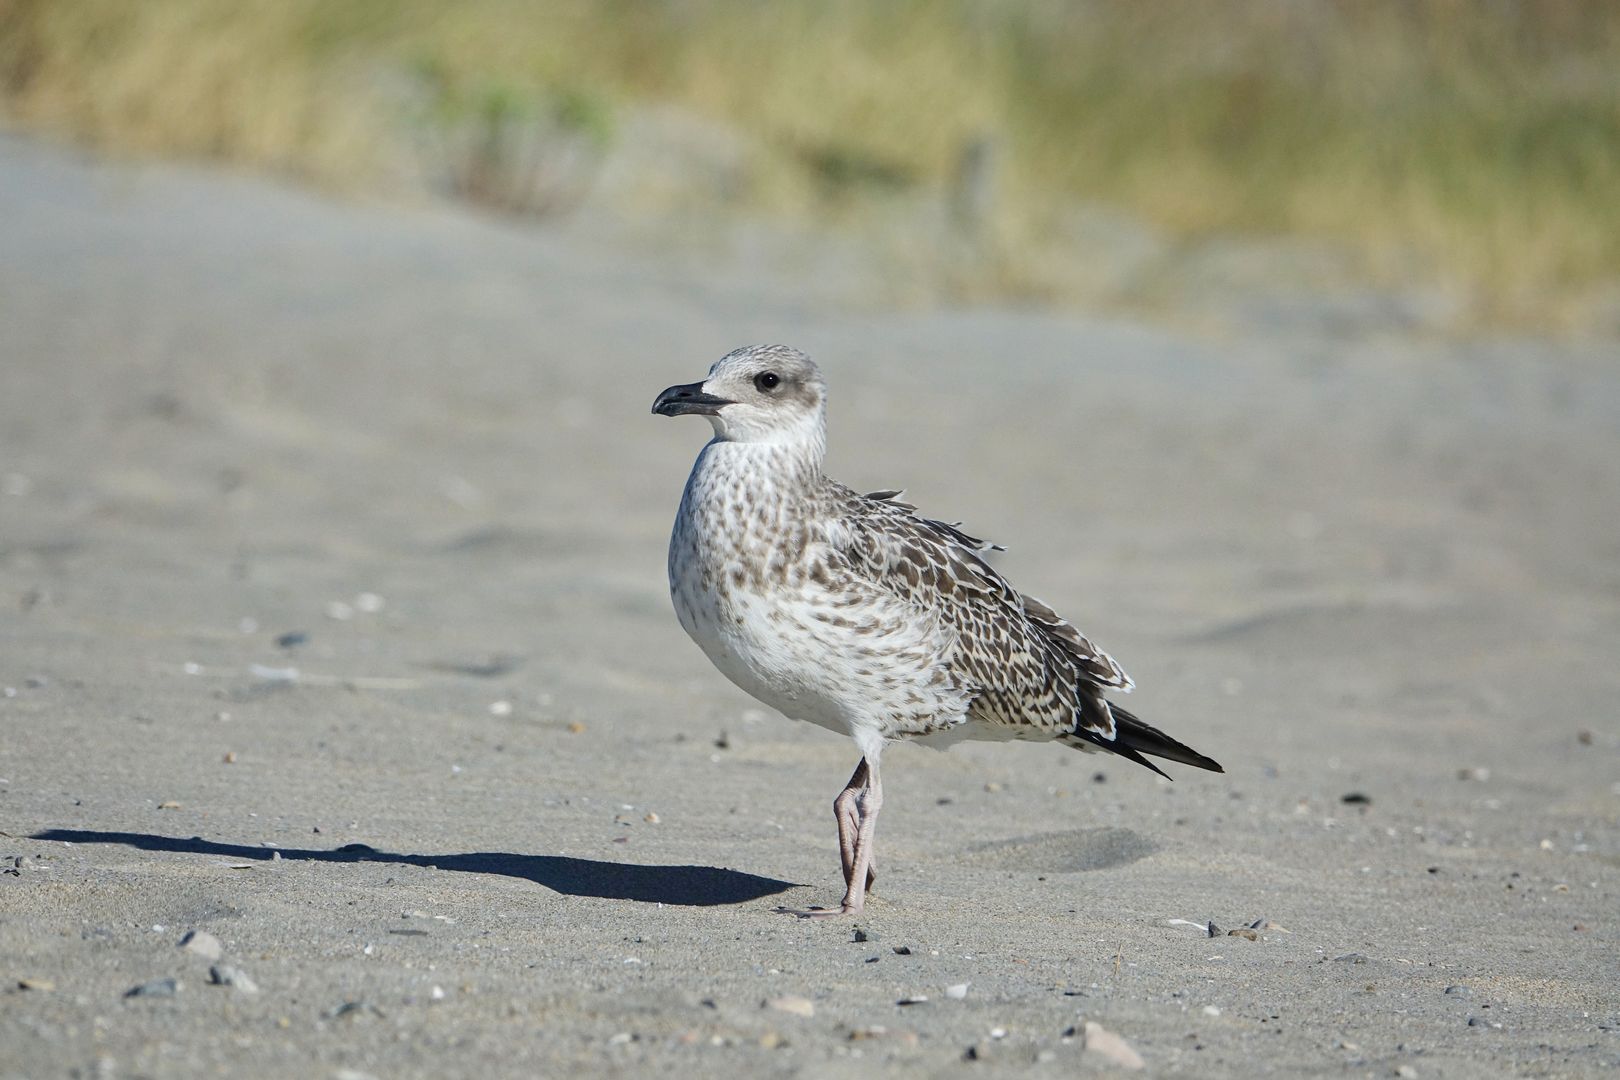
857, 613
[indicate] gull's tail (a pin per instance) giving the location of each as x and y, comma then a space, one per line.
1133, 738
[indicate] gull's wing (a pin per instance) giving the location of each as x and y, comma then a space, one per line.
1020, 663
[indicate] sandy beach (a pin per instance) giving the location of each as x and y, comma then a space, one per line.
335, 627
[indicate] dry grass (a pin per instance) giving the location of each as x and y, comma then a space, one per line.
1478, 141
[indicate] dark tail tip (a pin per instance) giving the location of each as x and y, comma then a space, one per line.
1133, 738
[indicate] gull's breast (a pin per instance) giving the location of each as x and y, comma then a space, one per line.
780, 622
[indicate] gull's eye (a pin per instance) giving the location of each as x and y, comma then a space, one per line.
766, 381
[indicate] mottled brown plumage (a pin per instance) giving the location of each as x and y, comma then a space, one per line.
859, 614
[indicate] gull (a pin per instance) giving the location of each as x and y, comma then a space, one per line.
859, 615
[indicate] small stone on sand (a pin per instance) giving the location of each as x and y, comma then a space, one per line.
792, 1004
202, 943
234, 977
1107, 1045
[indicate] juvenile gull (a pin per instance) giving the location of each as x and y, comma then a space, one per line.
856, 613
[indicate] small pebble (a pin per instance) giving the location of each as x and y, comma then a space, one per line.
957, 991
1105, 1044
437, 993
292, 639
792, 1004
500, 708
1406, 1072
168, 804
230, 757
1480, 774
863, 934
1356, 798
202, 943
339, 611
1212, 1010
651, 818
914, 999
234, 977
155, 988
370, 603
576, 728
44, 985
901, 950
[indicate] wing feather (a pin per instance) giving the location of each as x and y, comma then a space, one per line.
1021, 664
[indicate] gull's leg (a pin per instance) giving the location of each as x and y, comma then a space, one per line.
867, 803
848, 817
856, 809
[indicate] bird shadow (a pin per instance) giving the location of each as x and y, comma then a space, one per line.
682, 886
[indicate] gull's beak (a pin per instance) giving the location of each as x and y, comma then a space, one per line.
680, 400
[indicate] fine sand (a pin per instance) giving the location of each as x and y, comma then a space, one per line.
334, 625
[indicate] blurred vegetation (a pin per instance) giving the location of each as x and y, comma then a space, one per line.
1476, 139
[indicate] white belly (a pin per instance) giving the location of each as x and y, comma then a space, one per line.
866, 671
768, 646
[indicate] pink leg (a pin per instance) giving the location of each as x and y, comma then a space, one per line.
848, 816
856, 809
868, 803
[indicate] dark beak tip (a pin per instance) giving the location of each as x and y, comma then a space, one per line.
690, 398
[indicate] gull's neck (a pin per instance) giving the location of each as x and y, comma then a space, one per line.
784, 461
780, 469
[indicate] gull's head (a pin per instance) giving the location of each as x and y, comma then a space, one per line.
756, 394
